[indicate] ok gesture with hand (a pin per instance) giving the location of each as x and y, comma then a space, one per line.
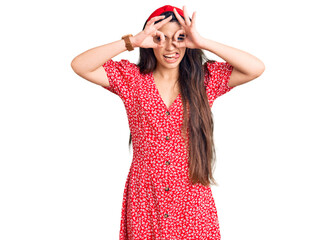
192, 38
147, 37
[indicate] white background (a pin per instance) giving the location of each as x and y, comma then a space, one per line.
64, 140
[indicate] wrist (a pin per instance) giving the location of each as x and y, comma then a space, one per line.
138, 39
205, 44
134, 42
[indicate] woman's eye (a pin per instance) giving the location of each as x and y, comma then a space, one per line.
181, 37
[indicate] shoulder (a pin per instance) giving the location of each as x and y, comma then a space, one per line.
213, 67
216, 69
123, 65
216, 78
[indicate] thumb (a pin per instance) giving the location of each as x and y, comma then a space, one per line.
160, 37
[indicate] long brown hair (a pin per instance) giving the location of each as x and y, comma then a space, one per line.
199, 124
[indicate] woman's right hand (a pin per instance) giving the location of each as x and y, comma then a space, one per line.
151, 37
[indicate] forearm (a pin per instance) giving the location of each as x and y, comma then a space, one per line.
242, 61
93, 58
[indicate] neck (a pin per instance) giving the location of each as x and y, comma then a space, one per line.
167, 74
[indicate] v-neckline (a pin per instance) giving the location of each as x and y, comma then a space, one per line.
159, 96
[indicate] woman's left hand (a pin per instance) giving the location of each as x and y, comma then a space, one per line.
192, 39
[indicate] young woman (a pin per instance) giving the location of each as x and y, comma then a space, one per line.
168, 96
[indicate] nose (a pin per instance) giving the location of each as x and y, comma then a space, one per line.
170, 44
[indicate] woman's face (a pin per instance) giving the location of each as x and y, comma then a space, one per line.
169, 56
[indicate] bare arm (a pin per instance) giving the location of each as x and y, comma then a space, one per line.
93, 58
88, 64
246, 67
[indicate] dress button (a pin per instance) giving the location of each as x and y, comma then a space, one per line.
167, 188
167, 162
167, 113
166, 215
167, 137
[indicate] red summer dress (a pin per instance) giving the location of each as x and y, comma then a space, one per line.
158, 200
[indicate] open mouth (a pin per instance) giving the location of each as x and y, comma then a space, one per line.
172, 56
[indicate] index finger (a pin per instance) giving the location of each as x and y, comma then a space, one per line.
179, 18
163, 22
154, 19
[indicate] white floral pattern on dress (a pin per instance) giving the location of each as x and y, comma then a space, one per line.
158, 200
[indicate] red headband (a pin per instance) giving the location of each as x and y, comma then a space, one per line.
166, 8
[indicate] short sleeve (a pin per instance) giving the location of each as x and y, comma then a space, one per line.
120, 75
217, 79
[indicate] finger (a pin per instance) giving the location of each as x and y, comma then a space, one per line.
193, 20
160, 24
180, 44
154, 19
178, 34
161, 36
186, 16
179, 18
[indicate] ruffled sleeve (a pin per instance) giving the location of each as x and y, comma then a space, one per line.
217, 79
120, 75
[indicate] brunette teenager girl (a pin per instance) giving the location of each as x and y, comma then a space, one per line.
168, 97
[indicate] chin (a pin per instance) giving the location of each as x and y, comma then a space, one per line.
170, 65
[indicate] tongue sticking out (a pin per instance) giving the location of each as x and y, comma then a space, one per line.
172, 56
